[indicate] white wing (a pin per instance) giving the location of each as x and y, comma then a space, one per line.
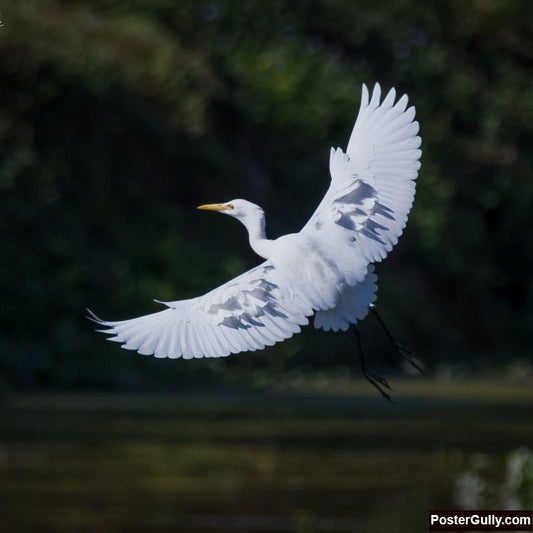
372, 185
253, 310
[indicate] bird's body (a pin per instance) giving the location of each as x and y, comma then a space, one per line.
326, 269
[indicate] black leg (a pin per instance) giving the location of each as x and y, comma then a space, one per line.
372, 378
405, 352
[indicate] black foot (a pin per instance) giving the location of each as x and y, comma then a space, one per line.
378, 379
374, 379
378, 382
408, 355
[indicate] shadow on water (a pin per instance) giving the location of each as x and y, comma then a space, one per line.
278, 462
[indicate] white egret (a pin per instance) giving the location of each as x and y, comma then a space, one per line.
325, 270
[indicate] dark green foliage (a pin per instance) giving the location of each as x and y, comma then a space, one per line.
118, 117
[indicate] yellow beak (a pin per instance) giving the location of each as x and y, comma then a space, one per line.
216, 207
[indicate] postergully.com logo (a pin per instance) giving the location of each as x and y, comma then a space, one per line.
480, 521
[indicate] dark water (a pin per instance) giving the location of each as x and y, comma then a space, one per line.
252, 462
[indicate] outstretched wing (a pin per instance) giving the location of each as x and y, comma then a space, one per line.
253, 310
372, 184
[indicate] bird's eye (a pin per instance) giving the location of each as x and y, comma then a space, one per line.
230, 206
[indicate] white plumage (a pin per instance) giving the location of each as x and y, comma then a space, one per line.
326, 269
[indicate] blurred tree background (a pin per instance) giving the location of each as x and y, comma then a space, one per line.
118, 117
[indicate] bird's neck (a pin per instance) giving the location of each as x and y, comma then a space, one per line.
257, 235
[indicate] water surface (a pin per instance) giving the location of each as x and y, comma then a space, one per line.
250, 462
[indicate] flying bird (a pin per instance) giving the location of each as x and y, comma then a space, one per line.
325, 270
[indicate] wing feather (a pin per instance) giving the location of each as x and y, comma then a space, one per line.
372, 184
353, 305
254, 310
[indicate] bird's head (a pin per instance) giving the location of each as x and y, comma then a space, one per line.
240, 209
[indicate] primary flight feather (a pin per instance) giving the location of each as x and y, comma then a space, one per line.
325, 270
